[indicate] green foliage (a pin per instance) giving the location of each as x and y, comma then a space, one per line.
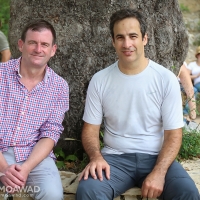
190, 145
101, 140
198, 104
173, 69
4, 15
184, 8
198, 26
62, 158
197, 42
83, 162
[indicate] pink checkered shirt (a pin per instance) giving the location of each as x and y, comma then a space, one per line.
25, 116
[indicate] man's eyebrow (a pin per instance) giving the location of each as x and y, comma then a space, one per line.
133, 34
31, 41
119, 35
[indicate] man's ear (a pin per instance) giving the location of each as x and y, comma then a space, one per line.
20, 44
53, 50
145, 39
113, 42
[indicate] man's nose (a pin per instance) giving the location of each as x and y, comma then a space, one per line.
38, 48
127, 43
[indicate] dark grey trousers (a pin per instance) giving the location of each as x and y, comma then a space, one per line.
129, 170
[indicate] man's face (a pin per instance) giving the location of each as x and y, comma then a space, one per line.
128, 41
37, 48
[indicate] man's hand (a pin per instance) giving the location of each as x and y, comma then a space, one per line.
152, 186
12, 176
24, 171
94, 167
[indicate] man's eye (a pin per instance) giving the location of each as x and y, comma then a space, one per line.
31, 42
133, 36
45, 45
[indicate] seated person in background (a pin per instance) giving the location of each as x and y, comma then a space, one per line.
33, 100
140, 104
4, 48
194, 70
189, 90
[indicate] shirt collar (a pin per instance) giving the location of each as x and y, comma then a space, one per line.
17, 69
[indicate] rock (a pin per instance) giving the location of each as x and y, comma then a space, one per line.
67, 178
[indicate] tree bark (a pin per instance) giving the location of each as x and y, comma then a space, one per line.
85, 45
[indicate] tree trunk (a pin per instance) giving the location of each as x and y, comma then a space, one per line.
85, 45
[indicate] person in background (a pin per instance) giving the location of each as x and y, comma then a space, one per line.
189, 109
140, 104
33, 101
194, 70
5, 53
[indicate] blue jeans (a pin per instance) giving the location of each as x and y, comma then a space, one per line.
186, 109
197, 87
129, 170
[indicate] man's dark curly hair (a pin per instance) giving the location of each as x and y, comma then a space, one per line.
127, 13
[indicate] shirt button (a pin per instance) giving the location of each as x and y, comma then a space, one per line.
18, 128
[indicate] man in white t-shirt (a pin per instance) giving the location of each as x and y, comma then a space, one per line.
140, 104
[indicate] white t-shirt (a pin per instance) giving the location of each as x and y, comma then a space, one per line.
136, 108
195, 69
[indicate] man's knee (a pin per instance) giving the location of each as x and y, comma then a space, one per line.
188, 190
92, 189
182, 188
85, 190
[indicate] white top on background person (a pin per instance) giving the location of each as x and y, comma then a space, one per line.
194, 67
186, 84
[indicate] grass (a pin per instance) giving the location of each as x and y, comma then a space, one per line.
184, 8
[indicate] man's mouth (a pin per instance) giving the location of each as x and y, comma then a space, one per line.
128, 52
37, 55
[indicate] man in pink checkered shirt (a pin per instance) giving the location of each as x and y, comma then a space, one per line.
33, 101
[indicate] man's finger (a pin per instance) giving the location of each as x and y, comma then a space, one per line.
99, 173
107, 172
92, 171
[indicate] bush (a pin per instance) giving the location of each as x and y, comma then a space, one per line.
4, 15
190, 145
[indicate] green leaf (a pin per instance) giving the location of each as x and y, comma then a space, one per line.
71, 158
59, 152
60, 164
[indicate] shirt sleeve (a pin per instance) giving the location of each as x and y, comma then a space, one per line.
3, 42
93, 112
189, 66
52, 128
172, 114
